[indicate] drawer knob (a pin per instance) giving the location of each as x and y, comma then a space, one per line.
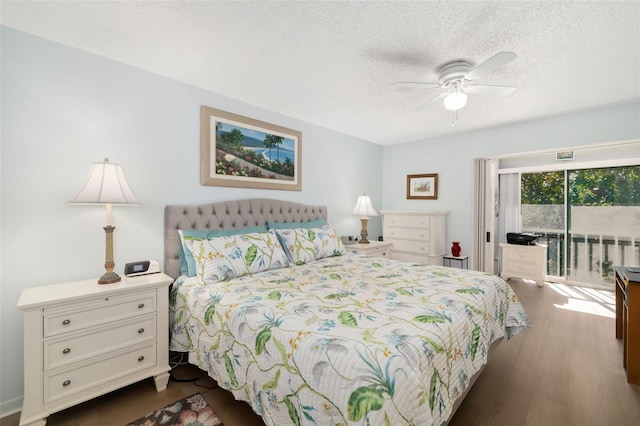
140, 306
66, 322
141, 330
66, 350
140, 358
66, 383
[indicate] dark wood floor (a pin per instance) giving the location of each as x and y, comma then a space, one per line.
565, 370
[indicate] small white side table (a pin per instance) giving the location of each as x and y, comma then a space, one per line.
521, 261
461, 262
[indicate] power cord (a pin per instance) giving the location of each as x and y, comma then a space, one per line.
179, 358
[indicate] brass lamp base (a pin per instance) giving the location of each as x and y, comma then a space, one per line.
109, 276
363, 232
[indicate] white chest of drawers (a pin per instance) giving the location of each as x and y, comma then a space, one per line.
415, 236
83, 339
527, 262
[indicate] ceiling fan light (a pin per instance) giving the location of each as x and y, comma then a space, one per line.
454, 101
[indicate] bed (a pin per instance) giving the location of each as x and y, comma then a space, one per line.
320, 336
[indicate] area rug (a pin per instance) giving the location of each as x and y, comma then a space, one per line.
190, 411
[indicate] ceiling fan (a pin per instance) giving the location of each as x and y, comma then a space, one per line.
457, 78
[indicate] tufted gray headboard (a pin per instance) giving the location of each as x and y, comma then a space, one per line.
228, 215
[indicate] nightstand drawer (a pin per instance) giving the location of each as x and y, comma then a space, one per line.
519, 255
60, 352
523, 269
82, 379
97, 311
378, 251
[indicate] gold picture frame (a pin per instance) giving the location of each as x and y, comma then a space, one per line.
243, 152
422, 187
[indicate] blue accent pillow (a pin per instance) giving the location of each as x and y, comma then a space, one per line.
295, 225
187, 262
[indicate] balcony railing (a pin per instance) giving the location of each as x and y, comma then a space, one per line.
591, 258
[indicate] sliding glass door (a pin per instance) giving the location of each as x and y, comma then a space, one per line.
589, 218
543, 212
604, 222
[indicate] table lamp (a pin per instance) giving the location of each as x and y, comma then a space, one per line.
106, 185
364, 209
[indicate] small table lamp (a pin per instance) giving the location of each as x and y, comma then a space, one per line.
364, 209
106, 185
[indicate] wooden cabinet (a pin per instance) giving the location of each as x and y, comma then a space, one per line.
374, 248
628, 320
83, 339
528, 262
415, 236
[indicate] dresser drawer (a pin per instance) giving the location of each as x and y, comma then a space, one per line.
523, 269
408, 221
419, 234
415, 247
81, 379
96, 311
517, 254
60, 352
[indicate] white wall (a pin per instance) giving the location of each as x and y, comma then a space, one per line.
63, 109
452, 158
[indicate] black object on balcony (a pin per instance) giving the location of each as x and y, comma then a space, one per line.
523, 239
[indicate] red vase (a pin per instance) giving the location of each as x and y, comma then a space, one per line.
455, 249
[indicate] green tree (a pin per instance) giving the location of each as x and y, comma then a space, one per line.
615, 186
542, 188
271, 141
611, 186
236, 138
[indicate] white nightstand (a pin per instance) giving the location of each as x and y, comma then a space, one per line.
374, 248
83, 339
521, 261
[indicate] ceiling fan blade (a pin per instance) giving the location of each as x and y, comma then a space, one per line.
416, 84
488, 89
431, 101
495, 62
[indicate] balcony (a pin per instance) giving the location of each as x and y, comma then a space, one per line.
598, 239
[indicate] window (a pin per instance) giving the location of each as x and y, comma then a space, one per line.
595, 210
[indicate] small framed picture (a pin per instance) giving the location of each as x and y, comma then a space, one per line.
422, 187
565, 155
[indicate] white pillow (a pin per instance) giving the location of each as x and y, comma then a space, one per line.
306, 245
222, 258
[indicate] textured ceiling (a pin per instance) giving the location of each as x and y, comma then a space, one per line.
332, 63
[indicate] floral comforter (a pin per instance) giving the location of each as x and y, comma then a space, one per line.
345, 340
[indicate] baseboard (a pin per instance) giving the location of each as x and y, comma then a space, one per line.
10, 407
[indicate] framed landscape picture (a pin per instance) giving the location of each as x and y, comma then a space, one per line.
242, 152
422, 187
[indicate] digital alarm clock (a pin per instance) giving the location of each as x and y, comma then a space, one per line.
141, 267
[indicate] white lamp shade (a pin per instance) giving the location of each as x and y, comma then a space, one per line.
454, 101
106, 184
363, 207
